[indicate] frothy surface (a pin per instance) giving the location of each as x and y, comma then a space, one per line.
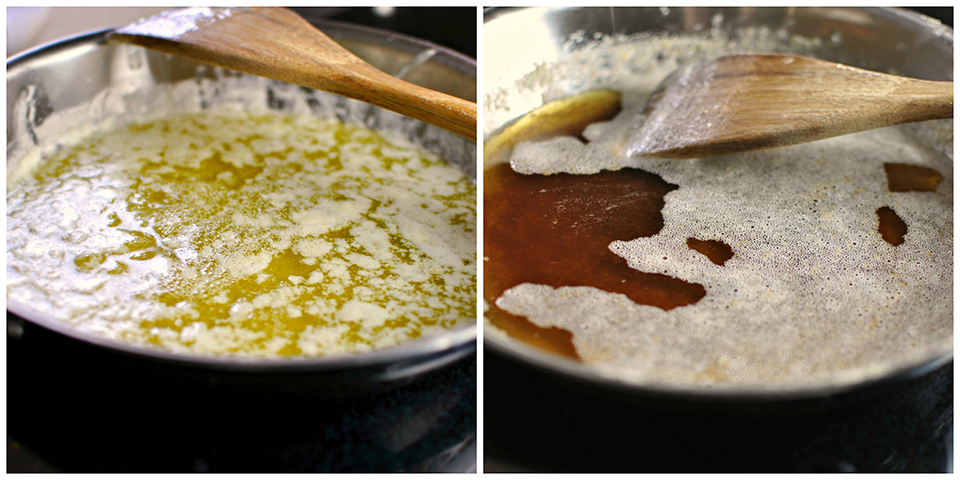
233, 233
812, 295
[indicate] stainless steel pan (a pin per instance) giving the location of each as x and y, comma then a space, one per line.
543, 412
81, 71
528, 61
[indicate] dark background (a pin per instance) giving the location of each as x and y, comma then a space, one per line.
452, 27
944, 14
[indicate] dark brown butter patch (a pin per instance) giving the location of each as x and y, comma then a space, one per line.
717, 251
555, 230
892, 227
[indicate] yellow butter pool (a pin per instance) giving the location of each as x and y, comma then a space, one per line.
254, 235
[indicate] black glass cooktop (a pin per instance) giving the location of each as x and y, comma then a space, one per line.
536, 422
69, 410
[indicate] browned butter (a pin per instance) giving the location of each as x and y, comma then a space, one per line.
556, 229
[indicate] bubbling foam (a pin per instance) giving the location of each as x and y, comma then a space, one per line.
812, 294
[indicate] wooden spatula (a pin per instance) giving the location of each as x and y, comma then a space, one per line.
279, 44
750, 102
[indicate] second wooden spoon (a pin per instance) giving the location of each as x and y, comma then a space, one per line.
749, 102
279, 44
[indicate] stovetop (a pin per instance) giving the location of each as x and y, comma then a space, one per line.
535, 422
61, 419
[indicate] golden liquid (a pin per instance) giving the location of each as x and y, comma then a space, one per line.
259, 235
911, 178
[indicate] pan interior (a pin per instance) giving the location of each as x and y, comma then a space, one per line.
812, 296
129, 85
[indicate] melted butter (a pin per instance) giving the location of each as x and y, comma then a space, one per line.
555, 230
717, 251
580, 243
813, 295
239, 234
892, 228
911, 178
566, 116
